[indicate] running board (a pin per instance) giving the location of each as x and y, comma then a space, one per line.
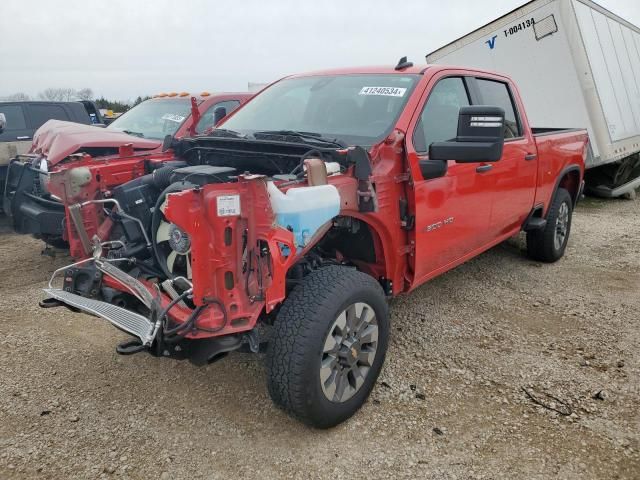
130, 322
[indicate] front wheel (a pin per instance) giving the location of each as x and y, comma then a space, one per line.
549, 244
328, 346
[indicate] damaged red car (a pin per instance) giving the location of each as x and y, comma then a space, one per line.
129, 147
291, 224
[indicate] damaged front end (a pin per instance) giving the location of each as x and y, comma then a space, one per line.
191, 257
228, 264
36, 205
225, 268
27, 201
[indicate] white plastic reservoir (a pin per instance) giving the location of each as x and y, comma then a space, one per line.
304, 210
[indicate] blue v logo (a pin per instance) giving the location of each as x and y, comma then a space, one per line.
492, 42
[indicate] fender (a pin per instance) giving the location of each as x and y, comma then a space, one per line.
388, 264
561, 175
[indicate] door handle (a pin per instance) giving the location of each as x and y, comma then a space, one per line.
530, 156
483, 168
23, 138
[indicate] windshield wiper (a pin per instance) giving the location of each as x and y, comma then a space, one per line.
135, 134
223, 132
312, 137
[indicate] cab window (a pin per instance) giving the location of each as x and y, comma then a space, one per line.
439, 119
40, 114
15, 117
498, 94
207, 120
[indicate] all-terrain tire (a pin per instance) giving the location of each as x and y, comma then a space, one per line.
542, 244
300, 330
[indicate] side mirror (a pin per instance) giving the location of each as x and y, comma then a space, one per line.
167, 143
433, 168
480, 137
3, 122
218, 114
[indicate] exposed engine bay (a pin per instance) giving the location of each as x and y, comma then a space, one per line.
142, 201
202, 246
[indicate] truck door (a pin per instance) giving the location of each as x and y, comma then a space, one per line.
515, 174
15, 138
452, 212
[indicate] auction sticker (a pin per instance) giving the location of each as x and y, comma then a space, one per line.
383, 91
228, 205
173, 117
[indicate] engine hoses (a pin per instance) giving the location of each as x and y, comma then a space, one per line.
224, 317
164, 314
190, 323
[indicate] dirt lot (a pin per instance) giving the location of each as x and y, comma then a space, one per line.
451, 403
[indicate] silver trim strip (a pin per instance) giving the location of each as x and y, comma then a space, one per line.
486, 119
130, 322
486, 124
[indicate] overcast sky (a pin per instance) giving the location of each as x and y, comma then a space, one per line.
125, 48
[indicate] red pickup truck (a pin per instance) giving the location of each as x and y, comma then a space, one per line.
129, 147
312, 204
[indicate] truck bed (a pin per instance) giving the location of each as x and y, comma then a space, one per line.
538, 132
556, 147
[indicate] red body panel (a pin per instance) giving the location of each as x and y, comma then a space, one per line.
105, 175
217, 253
465, 212
456, 216
556, 153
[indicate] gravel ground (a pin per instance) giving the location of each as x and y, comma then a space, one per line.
471, 353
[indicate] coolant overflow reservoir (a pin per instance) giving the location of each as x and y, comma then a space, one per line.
304, 210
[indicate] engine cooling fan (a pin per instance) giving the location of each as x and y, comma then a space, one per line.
171, 244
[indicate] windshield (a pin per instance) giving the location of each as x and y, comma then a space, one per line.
357, 109
155, 118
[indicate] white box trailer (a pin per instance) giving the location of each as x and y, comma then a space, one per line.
577, 65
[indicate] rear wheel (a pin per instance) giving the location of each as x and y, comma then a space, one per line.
328, 346
549, 244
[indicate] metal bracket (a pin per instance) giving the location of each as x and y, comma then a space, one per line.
403, 177
76, 217
407, 249
253, 340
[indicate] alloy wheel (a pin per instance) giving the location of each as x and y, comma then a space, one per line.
349, 352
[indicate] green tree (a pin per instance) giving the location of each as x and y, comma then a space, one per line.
140, 99
116, 106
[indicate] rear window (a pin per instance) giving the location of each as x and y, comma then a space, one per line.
41, 113
497, 94
15, 117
